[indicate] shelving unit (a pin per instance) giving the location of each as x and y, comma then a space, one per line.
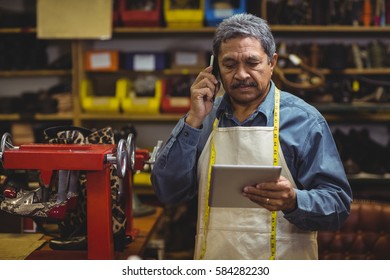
40, 75
131, 33
34, 73
335, 113
364, 185
128, 34
151, 128
335, 29
304, 31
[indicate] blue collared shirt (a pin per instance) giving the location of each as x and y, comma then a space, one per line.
323, 195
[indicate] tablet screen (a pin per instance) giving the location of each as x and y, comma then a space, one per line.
227, 182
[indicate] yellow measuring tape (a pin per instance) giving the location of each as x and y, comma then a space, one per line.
275, 163
207, 209
206, 215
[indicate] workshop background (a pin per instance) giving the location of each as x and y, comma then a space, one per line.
130, 67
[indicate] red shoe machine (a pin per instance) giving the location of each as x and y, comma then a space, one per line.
95, 160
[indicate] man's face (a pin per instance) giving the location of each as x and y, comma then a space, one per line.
245, 70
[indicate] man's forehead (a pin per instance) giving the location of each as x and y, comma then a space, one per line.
245, 45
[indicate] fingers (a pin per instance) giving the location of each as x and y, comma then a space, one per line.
205, 85
264, 200
206, 75
204, 88
203, 91
273, 196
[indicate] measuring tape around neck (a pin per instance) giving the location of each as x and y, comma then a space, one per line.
207, 208
275, 163
206, 215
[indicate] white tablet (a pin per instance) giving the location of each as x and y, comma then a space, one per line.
227, 182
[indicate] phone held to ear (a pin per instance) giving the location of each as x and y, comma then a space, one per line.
214, 63
215, 71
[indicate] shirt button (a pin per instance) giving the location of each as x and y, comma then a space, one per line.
186, 133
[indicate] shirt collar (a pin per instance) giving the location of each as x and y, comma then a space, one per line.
266, 107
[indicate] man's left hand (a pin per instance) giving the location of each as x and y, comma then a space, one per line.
274, 196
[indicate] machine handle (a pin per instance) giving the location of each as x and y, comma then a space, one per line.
6, 143
120, 159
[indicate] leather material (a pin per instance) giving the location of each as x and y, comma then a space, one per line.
365, 235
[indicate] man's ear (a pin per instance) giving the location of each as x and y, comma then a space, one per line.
273, 62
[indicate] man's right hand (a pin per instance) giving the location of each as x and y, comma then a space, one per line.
203, 91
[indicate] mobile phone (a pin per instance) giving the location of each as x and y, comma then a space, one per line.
214, 63
215, 71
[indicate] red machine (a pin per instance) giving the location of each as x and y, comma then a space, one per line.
95, 160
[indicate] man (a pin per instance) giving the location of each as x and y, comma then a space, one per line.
239, 128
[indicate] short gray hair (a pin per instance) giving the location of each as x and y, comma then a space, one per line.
245, 25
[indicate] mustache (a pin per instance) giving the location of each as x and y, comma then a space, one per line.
243, 84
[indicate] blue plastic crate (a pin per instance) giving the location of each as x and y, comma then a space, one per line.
216, 10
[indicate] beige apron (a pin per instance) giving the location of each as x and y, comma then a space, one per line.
244, 233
